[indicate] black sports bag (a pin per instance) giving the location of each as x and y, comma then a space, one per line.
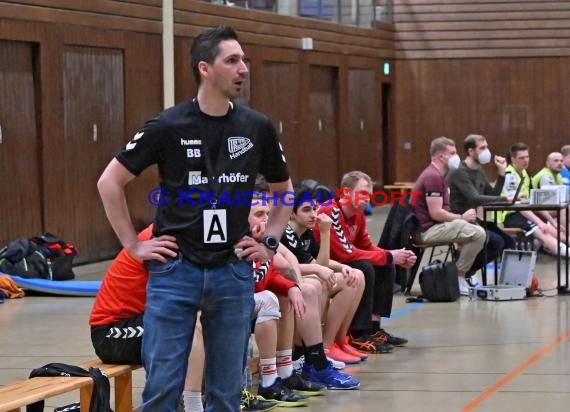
439, 281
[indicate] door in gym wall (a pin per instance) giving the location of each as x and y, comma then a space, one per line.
94, 131
20, 184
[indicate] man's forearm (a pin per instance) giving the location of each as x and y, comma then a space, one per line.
280, 210
116, 209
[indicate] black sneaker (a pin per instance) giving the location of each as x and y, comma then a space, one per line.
250, 403
385, 337
282, 395
368, 344
302, 386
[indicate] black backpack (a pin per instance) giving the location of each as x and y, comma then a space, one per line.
101, 388
46, 257
439, 282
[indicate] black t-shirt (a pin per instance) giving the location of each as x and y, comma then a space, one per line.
305, 248
201, 158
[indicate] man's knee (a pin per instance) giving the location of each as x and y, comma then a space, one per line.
311, 291
266, 306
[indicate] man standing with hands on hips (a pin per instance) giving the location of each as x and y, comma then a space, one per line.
198, 146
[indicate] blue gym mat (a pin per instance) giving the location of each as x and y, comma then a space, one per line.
59, 287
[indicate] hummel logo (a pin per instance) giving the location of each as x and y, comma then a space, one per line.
238, 146
133, 143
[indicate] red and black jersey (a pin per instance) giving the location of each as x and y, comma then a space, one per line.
271, 279
349, 238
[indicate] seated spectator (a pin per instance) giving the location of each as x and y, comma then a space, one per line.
117, 329
565, 172
550, 174
303, 296
540, 225
343, 287
470, 188
350, 244
437, 222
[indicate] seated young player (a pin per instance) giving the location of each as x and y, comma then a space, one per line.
343, 287
299, 304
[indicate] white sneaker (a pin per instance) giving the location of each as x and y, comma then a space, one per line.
298, 364
475, 280
336, 364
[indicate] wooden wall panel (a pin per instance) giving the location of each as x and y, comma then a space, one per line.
20, 180
267, 29
142, 16
319, 155
143, 100
94, 127
360, 141
278, 100
506, 100
427, 29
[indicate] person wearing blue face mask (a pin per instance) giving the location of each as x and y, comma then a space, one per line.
470, 188
437, 221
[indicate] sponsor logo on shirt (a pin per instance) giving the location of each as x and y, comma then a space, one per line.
238, 146
190, 142
195, 178
233, 178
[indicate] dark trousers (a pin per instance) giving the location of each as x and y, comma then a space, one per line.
497, 241
378, 293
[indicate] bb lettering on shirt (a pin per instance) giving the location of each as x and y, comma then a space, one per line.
215, 226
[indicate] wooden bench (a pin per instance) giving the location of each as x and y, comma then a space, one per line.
19, 394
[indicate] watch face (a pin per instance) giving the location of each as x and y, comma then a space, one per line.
271, 242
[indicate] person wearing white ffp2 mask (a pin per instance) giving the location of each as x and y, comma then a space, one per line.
470, 188
453, 162
484, 156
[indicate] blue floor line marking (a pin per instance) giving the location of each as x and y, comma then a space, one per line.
404, 311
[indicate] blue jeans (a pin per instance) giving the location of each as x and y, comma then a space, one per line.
176, 290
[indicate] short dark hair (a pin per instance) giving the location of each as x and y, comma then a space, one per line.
471, 141
311, 189
205, 46
302, 194
517, 147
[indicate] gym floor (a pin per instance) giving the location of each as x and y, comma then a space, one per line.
462, 356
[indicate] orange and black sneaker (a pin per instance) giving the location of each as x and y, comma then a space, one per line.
368, 344
384, 337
